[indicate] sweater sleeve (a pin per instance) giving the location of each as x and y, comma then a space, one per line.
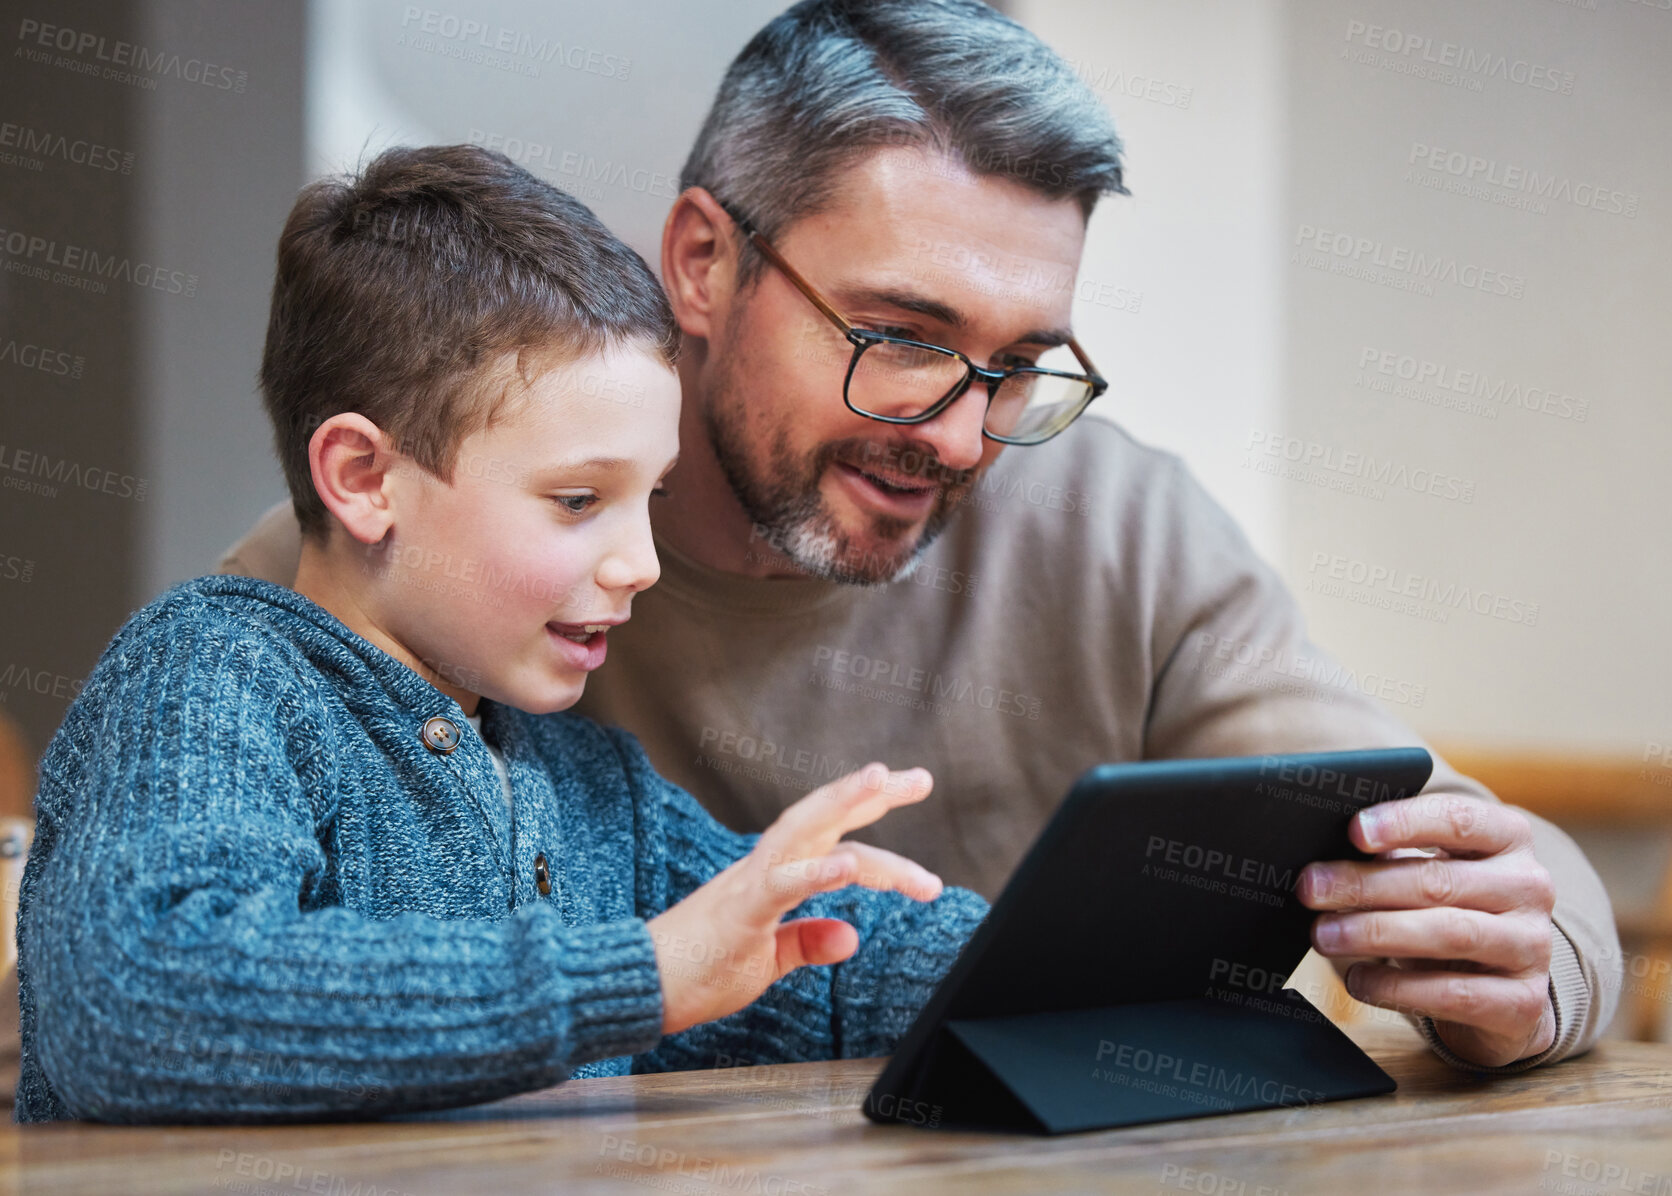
1240, 676
857, 1008
173, 971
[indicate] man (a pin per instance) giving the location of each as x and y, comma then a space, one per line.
872, 266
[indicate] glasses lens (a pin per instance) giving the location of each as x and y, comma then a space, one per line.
1036, 406
901, 380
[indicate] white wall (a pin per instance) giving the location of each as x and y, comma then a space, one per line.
1567, 513
1180, 292
1246, 354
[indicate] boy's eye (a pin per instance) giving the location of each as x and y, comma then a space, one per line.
659, 492
575, 504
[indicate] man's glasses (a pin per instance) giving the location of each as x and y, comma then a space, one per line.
901, 381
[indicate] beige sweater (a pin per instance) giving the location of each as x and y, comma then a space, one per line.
1090, 603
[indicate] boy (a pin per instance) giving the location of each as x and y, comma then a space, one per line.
310, 853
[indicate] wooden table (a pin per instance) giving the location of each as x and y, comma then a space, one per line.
1600, 1124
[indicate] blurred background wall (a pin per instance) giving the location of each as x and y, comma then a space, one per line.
1394, 279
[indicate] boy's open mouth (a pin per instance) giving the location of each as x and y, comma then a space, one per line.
581, 633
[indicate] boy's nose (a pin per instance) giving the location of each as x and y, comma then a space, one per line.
632, 566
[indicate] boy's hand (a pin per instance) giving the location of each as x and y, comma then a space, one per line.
723, 945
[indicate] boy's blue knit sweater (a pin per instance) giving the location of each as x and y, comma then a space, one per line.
255, 895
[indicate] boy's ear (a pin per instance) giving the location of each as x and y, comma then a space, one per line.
698, 261
350, 459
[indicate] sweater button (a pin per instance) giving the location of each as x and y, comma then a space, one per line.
440, 735
542, 875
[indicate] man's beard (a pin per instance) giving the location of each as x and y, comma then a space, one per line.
781, 496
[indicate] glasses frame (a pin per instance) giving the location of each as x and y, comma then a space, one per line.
864, 338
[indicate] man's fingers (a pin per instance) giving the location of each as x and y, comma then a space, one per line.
1503, 942
1512, 882
814, 823
1500, 1005
793, 881
1463, 826
814, 941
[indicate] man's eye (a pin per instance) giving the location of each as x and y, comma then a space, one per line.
1010, 361
575, 504
906, 334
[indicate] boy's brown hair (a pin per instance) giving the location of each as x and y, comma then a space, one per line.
396, 289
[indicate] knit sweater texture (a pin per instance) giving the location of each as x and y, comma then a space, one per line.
255, 895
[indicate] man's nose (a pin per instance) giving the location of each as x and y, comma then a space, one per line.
955, 434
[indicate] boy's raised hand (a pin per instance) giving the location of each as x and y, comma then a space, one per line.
724, 945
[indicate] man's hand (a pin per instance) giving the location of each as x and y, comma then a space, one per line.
1468, 929
723, 945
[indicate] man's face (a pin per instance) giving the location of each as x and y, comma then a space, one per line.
914, 246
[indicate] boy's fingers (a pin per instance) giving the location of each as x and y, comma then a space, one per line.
814, 941
815, 822
792, 882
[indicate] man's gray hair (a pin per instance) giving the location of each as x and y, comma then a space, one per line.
828, 81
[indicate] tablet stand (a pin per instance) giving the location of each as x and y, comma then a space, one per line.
1084, 1069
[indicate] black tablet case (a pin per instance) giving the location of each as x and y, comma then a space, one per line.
1131, 970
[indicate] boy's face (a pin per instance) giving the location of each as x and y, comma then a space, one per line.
497, 583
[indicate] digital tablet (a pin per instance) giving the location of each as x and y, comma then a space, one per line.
1132, 969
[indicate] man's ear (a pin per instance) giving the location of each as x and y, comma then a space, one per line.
699, 260
351, 461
